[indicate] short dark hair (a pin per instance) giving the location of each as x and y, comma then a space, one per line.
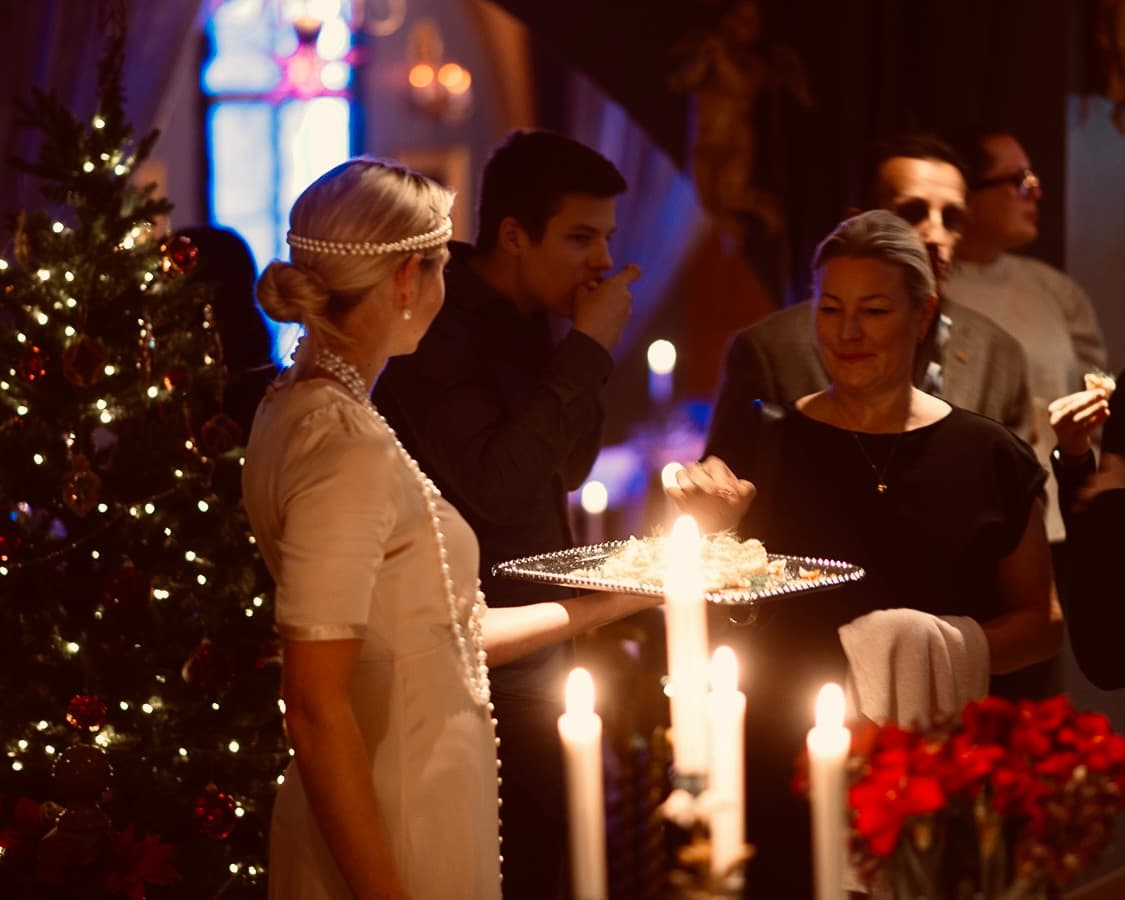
527, 177
969, 142
910, 145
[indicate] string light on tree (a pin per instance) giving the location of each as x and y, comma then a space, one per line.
91, 512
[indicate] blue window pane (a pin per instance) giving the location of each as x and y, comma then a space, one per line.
242, 34
314, 136
241, 73
266, 145
243, 171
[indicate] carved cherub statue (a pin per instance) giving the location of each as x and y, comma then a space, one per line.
726, 72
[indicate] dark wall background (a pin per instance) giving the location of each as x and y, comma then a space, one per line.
874, 66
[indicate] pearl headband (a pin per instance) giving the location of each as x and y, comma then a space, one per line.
434, 238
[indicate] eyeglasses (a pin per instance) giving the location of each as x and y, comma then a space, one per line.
1024, 181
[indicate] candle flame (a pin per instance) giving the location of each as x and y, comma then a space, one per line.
579, 692
661, 356
830, 706
595, 497
683, 560
668, 474
724, 670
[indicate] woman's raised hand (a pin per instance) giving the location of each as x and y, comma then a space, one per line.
712, 494
1074, 416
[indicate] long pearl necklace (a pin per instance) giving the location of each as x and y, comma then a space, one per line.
470, 649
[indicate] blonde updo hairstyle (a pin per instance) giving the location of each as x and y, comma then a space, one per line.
360, 201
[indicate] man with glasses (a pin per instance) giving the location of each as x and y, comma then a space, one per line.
1042, 308
965, 358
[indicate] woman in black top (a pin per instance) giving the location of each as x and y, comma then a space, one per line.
942, 507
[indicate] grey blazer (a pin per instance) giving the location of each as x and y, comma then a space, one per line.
967, 360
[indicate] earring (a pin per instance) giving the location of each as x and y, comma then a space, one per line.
407, 314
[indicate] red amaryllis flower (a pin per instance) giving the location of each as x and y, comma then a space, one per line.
883, 804
1037, 785
1047, 715
971, 763
989, 721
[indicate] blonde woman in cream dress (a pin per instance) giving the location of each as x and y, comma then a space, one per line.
392, 792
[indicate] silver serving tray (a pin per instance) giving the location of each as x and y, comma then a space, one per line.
560, 567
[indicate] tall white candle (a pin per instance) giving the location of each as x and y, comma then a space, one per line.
580, 730
685, 618
828, 744
726, 713
595, 499
661, 364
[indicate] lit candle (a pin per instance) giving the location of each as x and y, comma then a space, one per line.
661, 364
580, 730
595, 499
685, 623
726, 713
828, 745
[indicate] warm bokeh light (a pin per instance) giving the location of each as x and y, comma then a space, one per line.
595, 497
830, 706
683, 573
661, 356
421, 75
724, 670
454, 78
668, 473
579, 693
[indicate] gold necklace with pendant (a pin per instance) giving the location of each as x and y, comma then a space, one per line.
880, 474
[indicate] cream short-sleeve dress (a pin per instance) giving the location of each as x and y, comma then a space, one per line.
344, 529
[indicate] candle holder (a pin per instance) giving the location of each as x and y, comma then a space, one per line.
691, 877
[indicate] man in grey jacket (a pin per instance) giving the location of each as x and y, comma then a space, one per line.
966, 358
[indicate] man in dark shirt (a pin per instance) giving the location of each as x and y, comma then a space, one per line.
506, 420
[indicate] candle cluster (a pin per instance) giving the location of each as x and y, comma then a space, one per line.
708, 745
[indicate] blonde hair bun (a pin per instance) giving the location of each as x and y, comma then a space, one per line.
291, 294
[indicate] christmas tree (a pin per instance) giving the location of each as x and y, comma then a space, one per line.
140, 722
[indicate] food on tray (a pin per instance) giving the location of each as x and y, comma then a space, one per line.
728, 564
1100, 380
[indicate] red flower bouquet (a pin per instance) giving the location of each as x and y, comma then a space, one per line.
1014, 799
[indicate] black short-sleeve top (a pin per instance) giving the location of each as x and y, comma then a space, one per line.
958, 494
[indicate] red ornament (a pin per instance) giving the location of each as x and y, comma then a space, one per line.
220, 434
86, 712
83, 361
209, 668
179, 253
127, 592
81, 487
32, 364
213, 814
82, 774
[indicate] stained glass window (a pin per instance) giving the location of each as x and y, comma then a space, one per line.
277, 80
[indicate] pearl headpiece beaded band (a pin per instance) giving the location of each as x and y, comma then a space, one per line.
434, 238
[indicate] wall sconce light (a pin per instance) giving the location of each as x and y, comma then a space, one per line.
440, 88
